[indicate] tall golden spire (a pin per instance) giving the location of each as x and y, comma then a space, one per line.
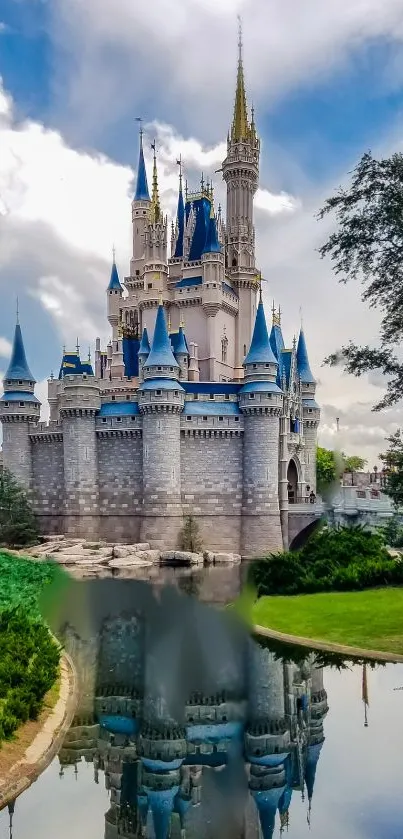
155, 209
240, 124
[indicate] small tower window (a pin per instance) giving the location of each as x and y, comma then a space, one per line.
204, 419
244, 349
103, 419
159, 368
226, 395
150, 285
251, 396
22, 404
6, 405
176, 392
158, 392
20, 382
233, 262
211, 395
137, 272
220, 419
224, 349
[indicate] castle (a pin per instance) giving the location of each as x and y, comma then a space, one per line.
193, 407
168, 739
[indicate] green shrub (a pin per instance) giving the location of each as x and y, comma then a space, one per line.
29, 661
189, 538
18, 524
333, 559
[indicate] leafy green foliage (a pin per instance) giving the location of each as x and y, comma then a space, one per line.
18, 525
392, 533
353, 463
368, 246
29, 661
330, 466
333, 559
393, 461
24, 581
189, 539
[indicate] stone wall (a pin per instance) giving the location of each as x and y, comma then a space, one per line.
48, 478
120, 481
261, 528
212, 486
162, 512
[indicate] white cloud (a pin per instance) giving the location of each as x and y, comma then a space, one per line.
5, 347
184, 54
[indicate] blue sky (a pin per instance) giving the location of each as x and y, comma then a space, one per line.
327, 83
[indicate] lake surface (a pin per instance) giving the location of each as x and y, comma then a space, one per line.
188, 729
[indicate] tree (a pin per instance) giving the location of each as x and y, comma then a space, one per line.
189, 539
393, 462
353, 463
368, 246
18, 525
325, 468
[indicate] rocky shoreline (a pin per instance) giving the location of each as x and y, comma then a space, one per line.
99, 557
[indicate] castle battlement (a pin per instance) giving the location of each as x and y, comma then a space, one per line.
194, 406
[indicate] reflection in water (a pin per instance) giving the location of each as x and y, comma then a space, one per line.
195, 729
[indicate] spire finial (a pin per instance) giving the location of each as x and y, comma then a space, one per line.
78, 347
17, 311
202, 182
113, 254
142, 193
182, 321
155, 212
273, 311
89, 353
240, 124
279, 316
179, 163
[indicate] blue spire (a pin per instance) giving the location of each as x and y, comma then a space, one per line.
142, 193
180, 221
18, 366
144, 347
161, 804
311, 766
304, 370
114, 282
161, 354
212, 244
260, 351
181, 343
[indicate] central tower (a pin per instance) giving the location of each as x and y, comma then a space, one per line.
241, 175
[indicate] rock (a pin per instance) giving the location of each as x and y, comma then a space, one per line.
189, 557
167, 556
157, 545
152, 556
120, 551
140, 546
235, 559
54, 538
208, 557
132, 561
69, 559
95, 546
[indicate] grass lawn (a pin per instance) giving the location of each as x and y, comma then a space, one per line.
371, 619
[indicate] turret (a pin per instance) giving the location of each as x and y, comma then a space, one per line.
140, 210
260, 401
177, 251
143, 353
241, 174
19, 407
114, 297
79, 403
310, 410
182, 355
161, 401
156, 265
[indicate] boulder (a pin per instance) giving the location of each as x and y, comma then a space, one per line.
70, 548
189, 557
54, 538
132, 561
208, 557
167, 556
152, 556
235, 559
120, 551
68, 559
157, 544
140, 546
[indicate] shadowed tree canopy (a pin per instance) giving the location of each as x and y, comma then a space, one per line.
368, 246
393, 461
330, 466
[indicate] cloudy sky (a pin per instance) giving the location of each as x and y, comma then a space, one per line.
327, 83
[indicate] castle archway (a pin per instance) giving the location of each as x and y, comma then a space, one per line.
292, 482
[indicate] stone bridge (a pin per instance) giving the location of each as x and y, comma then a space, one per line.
349, 505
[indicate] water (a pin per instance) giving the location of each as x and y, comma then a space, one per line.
273, 742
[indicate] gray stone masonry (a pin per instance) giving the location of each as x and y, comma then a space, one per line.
120, 476
162, 510
17, 455
261, 528
80, 474
48, 476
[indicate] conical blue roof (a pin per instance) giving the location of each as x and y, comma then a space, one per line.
276, 340
260, 351
114, 282
181, 343
142, 193
311, 766
161, 804
144, 347
181, 223
304, 370
212, 244
161, 354
18, 366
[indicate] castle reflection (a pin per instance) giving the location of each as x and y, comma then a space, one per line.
196, 730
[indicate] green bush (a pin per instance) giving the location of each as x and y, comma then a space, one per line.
333, 559
18, 524
29, 661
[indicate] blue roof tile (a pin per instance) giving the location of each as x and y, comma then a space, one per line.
119, 409
286, 357
189, 281
226, 287
178, 342
160, 384
260, 387
142, 193
260, 351
180, 222
211, 387
310, 403
144, 347
19, 396
212, 244
202, 209
18, 366
212, 409
114, 282
130, 356
304, 370
161, 354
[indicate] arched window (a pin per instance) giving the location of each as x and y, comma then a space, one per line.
224, 349
234, 262
244, 350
